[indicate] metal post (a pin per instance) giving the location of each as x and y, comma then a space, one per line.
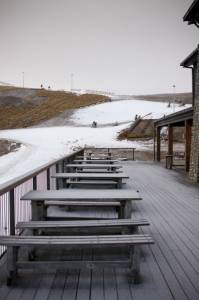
12, 211
133, 153
170, 140
158, 144
187, 144
174, 97
154, 141
23, 79
48, 178
35, 183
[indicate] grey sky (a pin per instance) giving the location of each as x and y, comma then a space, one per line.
127, 46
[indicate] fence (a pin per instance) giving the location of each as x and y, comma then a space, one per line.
12, 210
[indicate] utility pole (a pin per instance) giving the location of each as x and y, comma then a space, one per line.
23, 79
174, 97
71, 81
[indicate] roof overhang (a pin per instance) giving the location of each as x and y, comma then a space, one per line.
175, 118
190, 60
192, 15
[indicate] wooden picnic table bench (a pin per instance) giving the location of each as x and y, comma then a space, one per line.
105, 158
62, 177
82, 166
119, 226
95, 161
95, 226
97, 171
91, 183
124, 196
171, 162
131, 243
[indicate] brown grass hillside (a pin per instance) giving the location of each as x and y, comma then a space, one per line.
140, 129
31, 112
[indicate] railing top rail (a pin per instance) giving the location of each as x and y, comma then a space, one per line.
7, 186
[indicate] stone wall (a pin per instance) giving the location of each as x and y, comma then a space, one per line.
194, 163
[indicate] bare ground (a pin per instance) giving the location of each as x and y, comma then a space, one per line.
8, 146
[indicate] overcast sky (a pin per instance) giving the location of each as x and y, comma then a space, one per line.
126, 46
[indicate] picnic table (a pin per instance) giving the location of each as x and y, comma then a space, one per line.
95, 161
38, 198
114, 177
82, 166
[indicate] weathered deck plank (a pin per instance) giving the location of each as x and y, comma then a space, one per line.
170, 268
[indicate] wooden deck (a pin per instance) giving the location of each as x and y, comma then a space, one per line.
170, 268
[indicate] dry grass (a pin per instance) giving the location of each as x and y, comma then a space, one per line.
54, 103
6, 88
142, 129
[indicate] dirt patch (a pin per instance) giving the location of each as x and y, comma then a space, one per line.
141, 128
8, 146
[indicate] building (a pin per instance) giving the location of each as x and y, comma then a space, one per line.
189, 118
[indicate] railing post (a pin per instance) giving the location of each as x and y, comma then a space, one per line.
133, 153
35, 183
158, 155
48, 178
12, 211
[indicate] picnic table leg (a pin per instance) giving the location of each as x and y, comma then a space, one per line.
119, 183
127, 210
60, 183
38, 211
121, 210
135, 264
11, 264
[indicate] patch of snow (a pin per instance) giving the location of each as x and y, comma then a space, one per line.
42, 145
122, 111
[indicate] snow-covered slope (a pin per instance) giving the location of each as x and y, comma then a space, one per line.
122, 111
41, 145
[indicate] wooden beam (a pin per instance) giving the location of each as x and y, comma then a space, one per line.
170, 140
154, 142
188, 133
158, 144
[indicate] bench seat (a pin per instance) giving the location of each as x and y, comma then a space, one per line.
129, 241
98, 171
92, 182
76, 241
82, 224
82, 203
